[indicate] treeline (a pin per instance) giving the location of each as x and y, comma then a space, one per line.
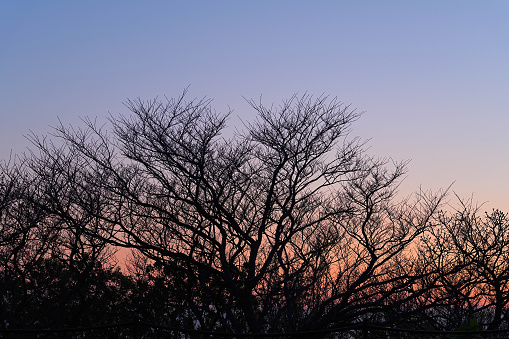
286, 226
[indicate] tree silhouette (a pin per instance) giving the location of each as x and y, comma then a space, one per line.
287, 225
481, 245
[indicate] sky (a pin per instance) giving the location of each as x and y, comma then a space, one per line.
431, 76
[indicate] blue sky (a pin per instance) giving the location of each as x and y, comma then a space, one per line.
432, 76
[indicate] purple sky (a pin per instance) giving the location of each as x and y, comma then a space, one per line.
432, 76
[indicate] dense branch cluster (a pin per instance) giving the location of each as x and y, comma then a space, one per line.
288, 225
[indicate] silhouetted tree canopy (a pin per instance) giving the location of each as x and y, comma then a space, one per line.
287, 225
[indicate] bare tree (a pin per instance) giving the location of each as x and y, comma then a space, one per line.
481, 246
288, 225
25, 240
48, 250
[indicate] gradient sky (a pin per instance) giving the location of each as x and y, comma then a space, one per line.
432, 76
